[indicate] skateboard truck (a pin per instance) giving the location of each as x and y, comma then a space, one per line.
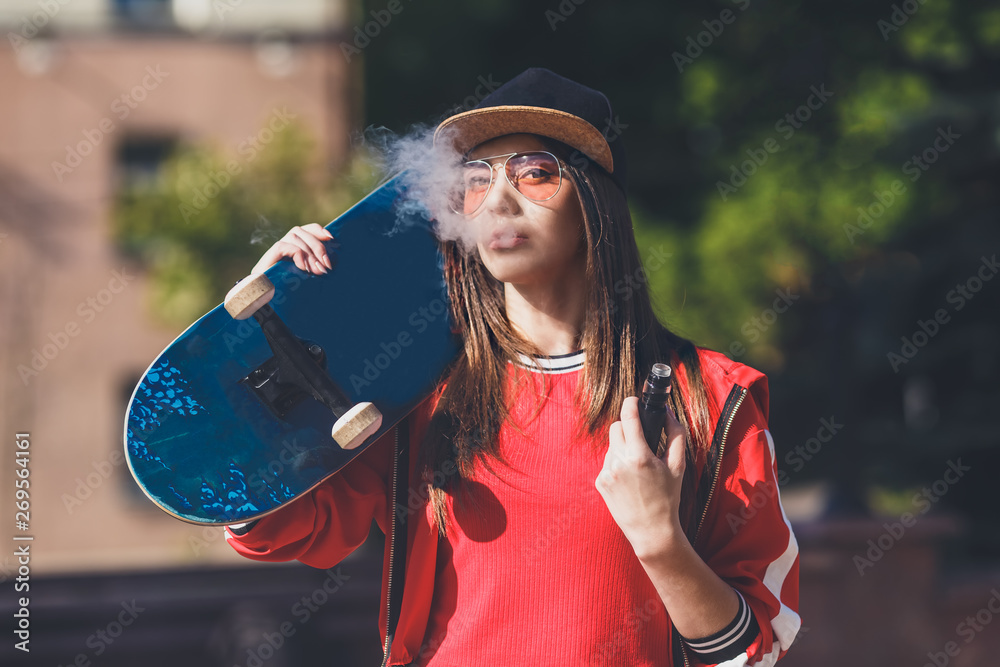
296, 369
279, 386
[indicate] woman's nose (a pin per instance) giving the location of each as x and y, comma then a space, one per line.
502, 198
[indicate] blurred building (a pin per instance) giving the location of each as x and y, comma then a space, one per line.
95, 93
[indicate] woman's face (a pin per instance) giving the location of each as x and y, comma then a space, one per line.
522, 241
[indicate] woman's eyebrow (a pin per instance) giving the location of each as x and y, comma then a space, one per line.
494, 157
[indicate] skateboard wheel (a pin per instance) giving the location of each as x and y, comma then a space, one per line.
356, 425
248, 296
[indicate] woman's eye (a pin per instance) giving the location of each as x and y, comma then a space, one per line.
474, 181
534, 174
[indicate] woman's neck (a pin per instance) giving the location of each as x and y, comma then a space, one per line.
551, 316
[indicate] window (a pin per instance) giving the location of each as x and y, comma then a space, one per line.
140, 159
144, 13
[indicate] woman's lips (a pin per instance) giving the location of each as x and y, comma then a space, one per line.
503, 239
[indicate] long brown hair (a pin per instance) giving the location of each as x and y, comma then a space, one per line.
622, 338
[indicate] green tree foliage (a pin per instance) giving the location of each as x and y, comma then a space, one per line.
208, 218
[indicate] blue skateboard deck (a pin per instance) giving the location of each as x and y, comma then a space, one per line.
208, 448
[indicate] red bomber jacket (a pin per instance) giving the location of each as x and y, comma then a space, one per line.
738, 525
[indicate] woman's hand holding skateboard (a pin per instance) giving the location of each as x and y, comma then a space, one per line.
304, 246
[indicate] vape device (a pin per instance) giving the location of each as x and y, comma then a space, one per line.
653, 404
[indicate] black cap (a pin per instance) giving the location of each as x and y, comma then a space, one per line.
539, 101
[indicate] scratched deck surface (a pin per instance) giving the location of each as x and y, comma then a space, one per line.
206, 450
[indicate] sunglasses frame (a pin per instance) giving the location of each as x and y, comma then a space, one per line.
503, 168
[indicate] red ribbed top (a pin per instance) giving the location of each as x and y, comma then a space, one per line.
536, 571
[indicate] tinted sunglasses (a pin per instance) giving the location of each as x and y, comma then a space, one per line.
537, 175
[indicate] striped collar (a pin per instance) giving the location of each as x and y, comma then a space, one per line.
559, 363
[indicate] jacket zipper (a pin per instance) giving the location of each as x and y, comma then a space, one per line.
392, 546
684, 652
729, 417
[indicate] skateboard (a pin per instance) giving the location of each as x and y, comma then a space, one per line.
281, 386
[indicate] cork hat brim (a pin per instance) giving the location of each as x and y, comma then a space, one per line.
471, 128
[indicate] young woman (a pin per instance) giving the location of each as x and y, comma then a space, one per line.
543, 530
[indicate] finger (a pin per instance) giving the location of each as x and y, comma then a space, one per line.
282, 250
292, 246
672, 425
676, 443
313, 245
632, 426
273, 255
300, 252
616, 439
318, 231
301, 259
322, 234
